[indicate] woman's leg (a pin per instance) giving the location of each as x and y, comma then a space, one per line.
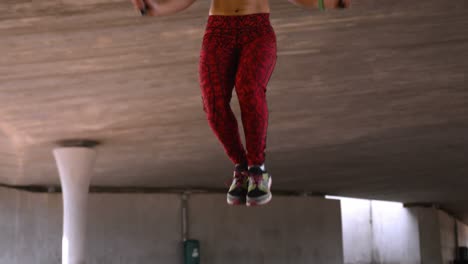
217, 70
257, 62
257, 42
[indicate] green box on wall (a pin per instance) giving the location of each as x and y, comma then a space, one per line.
191, 252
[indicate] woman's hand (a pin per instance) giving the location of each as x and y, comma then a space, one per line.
146, 7
331, 4
344, 4
322, 4
161, 8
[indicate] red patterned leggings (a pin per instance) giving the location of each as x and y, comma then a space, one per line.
240, 52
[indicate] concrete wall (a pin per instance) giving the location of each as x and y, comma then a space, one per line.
379, 232
29, 228
439, 232
429, 235
292, 230
357, 231
123, 228
447, 237
462, 234
146, 228
395, 231
134, 228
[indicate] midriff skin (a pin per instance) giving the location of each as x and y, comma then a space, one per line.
222, 7
238, 7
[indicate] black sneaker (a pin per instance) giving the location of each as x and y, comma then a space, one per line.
258, 192
238, 191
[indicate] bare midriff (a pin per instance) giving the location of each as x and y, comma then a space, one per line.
239, 7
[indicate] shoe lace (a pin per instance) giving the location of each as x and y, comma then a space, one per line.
257, 179
239, 178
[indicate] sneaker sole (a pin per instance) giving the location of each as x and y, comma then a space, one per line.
262, 200
235, 200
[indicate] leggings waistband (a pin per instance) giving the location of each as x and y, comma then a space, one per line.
242, 21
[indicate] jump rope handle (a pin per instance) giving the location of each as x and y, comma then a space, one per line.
144, 9
321, 4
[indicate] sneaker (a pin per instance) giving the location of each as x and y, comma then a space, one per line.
258, 192
238, 191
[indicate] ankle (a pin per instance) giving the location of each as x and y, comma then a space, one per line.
262, 167
241, 167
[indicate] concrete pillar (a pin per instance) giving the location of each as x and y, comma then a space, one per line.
75, 166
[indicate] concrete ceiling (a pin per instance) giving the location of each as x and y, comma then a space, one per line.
370, 102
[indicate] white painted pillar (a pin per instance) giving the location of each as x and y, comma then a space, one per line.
75, 166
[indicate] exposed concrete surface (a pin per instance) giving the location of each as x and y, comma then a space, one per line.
122, 229
30, 228
462, 234
360, 100
395, 234
292, 230
357, 231
134, 229
439, 232
146, 228
453, 234
448, 241
379, 233
429, 235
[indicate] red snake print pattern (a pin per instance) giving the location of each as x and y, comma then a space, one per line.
240, 52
